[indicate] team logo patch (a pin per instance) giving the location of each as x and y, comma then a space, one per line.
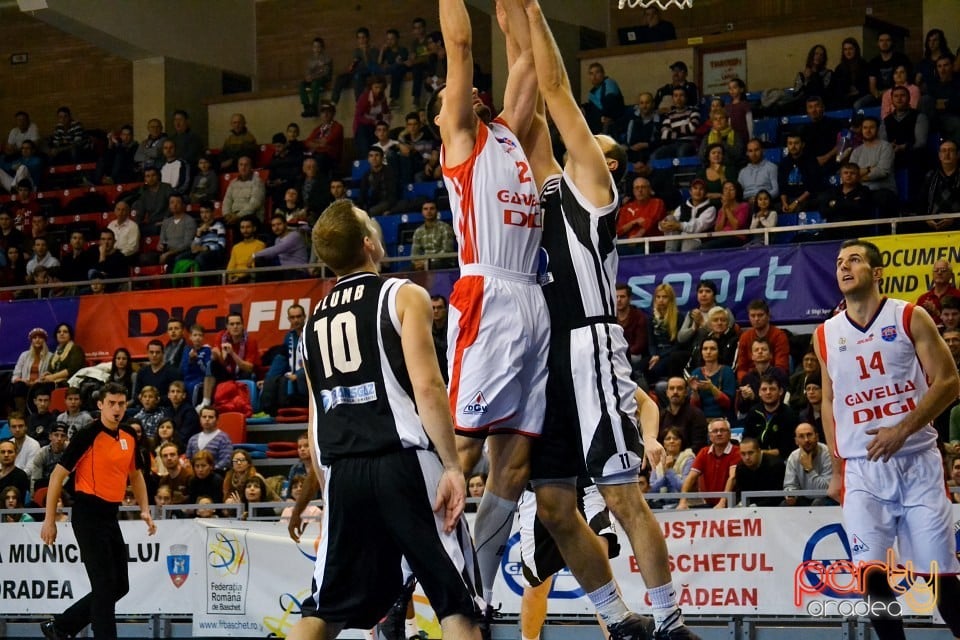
178, 564
508, 143
476, 406
889, 334
857, 545
843, 344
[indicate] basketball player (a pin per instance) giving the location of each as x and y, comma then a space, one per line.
380, 426
886, 374
591, 399
498, 330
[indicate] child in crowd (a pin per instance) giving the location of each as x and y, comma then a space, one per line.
206, 184
206, 512
739, 110
185, 419
151, 414
39, 423
195, 367
75, 418
764, 215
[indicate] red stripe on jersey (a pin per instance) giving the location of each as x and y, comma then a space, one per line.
462, 177
467, 297
819, 334
907, 317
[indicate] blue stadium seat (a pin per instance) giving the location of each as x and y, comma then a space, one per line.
675, 163
360, 169
793, 121
402, 250
389, 225
839, 114
774, 154
767, 130
870, 111
424, 189
902, 178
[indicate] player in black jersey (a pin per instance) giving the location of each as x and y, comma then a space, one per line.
380, 425
590, 395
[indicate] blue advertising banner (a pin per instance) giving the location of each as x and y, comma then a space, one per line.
18, 318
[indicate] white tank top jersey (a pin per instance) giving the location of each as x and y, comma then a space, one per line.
496, 208
876, 377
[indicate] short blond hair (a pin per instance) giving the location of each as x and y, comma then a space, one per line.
338, 237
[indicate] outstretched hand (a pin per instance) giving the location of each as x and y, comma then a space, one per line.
653, 452
451, 498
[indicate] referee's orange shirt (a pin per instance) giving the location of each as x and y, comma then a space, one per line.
101, 461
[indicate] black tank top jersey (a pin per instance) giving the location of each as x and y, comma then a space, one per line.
354, 361
580, 241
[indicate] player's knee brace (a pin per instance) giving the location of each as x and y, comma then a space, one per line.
887, 626
948, 603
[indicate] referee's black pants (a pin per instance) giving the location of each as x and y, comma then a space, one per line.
104, 556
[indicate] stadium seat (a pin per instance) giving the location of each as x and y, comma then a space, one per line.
234, 424
675, 163
774, 154
794, 121
424, 189
389, 227
254, 394
873, 112
360, 169
766, 130
902, 178
58, 399
265, 155
839, 114
403, 250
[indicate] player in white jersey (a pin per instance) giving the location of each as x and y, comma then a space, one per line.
498, 325
591, 424
886, 374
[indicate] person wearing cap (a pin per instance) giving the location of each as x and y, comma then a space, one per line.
678, 81
31, 366
44, 461
326, 140
605, 103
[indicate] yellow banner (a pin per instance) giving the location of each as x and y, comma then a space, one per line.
908, 261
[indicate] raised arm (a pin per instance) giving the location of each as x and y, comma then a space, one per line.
520, 95
586, 164
458, 122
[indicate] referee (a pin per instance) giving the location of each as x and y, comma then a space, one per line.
102, 457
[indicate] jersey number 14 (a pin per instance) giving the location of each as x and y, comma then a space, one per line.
876, 364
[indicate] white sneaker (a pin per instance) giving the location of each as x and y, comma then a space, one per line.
202, 405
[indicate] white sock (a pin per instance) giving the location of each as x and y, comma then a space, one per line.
410, 627
369, 634
609, 604
523, 637
664, 601
490, 533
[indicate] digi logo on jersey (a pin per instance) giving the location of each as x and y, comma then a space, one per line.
894, 407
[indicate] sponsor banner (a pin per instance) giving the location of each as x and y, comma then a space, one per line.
249, 579
908, 261
18, 318
40, 579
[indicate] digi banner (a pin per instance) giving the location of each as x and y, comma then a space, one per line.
908, 261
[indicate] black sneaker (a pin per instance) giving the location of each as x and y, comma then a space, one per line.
486, 621
633, 627
392, 625
678, 633
49, 630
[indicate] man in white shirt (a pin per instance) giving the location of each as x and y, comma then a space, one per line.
125, 230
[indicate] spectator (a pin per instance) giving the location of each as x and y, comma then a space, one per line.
207, 481
24, 130
74, 418
121, 369
151, 413
42, 464
949, 314
209, 246
678, 129
808, 468
941, 188
27, 446
640, 216
14, 274
605, 104
10, 474
695, 321
196, 367
293, 212
882, 66
392, 63
416, 144
206, 184
237, 356
847, 202
942, 285
432, 237
317, 77
10, 236
174, 170
391, 148
118, 164
771, 421
245, 194
715, 466
176, 233
748, 395
166, 433
76, 261
681, 414
798, 177
667, 477
906, 129
236, 477
759, 314
934, 46
189, 145
419, 60
439, 330
665, 358
285, 384
723, 134
758, 471
288, 250
69, 142
33, 162
362, 65
149, 154
759, 175
816, 78
212, 440
901, 78
655, 28
696, 215
313, 188
739, 110
436, 74
66, 360
13, 499
639, 131
44, 281
238, 144
813, 393
633, 321
173, 351
678, 81
110, 263
155, 373
713, 385
821, 137
175, 473
372, 107
809, 366
875, 159
24, 207
126, 233
41, 257
286, 163
379, 190
242, 252
150, 208
715, 172
732, 215
325, 142
184, 416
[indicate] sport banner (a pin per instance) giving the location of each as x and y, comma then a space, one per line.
908, 261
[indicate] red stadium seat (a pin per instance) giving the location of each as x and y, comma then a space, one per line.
234, 425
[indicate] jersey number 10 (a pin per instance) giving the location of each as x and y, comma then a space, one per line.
339, 346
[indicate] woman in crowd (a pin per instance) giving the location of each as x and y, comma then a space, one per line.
934, 46
372, 106
733, 214
713, 384
13, 500
254, 491
121, 370
815, 79
236, 478
668, 476
798, 381
206, 481
663, 328
695, 322
311, 512
717, 170
31, 368
901, 78
66, 360
722, 329
14, 273
167, 432
764, 215
852, 77
739, 110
